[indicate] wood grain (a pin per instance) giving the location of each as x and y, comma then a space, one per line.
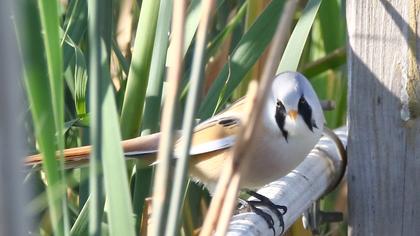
384, 150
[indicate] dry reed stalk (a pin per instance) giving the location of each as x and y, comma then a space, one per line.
124, 27
228, 184
221, 207
161, 191
145, 219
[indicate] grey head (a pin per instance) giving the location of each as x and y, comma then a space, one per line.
295, 98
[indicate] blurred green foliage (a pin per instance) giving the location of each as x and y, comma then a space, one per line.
120, 54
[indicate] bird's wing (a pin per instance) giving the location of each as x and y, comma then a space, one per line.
216, 133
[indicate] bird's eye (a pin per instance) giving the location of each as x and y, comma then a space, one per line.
302, 100
280, 105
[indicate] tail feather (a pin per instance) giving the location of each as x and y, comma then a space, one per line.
70, 155
77, 157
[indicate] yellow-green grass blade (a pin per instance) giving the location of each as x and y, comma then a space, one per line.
152, 105
80, 226
97, 62
120, 213
51, 29
254, 8
326, 83
121, 59
80, 80
153, 102
247, 52
138, 75
214, 44
48, 11
217, 41
196, 79
107, 155
294, 48
38, 90
191, 22
333, 60
332, 25
75, 27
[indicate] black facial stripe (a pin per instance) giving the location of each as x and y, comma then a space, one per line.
280, 118
306, 112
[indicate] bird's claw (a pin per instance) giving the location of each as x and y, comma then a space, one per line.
278, 210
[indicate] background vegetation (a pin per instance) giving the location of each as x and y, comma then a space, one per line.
94, 73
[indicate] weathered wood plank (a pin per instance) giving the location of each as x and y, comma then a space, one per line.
383, 149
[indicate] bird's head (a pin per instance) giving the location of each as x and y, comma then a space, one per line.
297, 109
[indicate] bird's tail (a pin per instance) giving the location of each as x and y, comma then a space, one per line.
144, 147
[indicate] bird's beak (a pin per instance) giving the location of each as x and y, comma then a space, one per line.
293, 114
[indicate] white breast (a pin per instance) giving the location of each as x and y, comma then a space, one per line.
271, 157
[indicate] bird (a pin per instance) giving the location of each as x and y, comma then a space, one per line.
290, 125
292, 122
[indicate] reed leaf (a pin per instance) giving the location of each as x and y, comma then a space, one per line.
250, 47
196, 78
40, 100
48, 11
138, 75
153, 102
80, 80
120, 214
294, 48
75, 25
105, 132
96, 133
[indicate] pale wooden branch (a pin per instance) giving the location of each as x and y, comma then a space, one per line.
297, 190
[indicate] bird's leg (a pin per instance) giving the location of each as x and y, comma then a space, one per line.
248, 206
264, 201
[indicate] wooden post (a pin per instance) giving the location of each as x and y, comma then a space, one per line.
384, 133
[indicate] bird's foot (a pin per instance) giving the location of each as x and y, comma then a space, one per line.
278, 210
